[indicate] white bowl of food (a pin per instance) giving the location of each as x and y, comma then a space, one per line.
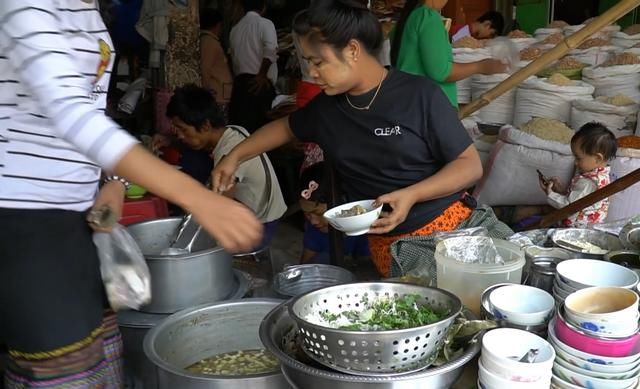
590, 382
611, 312
584, 273
521, 304
504, 348
353, 218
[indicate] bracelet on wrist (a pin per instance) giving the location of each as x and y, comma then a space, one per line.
119, 179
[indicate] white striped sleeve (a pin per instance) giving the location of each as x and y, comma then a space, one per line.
31, 37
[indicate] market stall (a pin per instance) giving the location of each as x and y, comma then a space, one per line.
511, 312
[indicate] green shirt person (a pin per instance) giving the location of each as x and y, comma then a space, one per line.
420, 45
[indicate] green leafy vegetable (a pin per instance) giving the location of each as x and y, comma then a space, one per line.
387, 314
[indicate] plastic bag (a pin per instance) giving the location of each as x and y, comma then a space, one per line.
473, 249
504, 50
474, 231
124, 270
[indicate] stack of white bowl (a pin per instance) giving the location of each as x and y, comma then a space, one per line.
595, 334
500, 365
575, 274
521, 305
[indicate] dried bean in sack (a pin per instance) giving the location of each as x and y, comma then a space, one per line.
605, 33
620, 119
594, 56
511, 178
624, 40
614, 80
537, 97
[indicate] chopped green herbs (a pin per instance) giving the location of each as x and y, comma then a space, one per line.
386, 314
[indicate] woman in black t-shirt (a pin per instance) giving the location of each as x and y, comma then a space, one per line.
391, 136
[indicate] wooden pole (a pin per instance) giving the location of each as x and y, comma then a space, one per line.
587, 201
614, 13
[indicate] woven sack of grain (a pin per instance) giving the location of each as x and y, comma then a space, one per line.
463, 55
523, 43
541, 33
500, 110
484, 144
620, 119
510, 176
626, 203
536, 97
614, 80
624, 40
594, 56
605, 33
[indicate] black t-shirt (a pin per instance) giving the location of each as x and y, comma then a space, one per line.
410, 132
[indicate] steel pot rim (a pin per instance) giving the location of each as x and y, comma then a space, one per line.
472, 350
181, 257
152, 335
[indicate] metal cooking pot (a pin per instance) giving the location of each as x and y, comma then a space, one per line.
626, 258
189, 336
134, 325
139, 371
297, 280
542, 272
607, 242
182, 281
300, 375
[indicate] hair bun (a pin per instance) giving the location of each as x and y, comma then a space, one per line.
357, 4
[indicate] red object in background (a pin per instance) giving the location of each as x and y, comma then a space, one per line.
149, 207
170, 155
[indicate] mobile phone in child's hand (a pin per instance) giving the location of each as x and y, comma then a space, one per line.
543, 179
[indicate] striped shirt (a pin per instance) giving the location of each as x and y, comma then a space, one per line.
55, 62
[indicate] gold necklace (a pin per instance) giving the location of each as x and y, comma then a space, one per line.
366, 107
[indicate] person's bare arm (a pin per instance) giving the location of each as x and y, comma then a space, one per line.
269, 137
460, 71
233, 225
454, 177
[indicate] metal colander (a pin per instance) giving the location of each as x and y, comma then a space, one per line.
372, 352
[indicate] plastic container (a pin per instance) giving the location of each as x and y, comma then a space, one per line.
468, 280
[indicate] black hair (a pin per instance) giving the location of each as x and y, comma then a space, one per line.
195, 106
409, 6
315, 173
496, 20
336, 22
209, 18
595, 138
254, 5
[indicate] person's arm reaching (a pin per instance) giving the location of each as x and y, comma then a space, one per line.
460, 71
454, 177
30, 36
435, 53
269, 137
